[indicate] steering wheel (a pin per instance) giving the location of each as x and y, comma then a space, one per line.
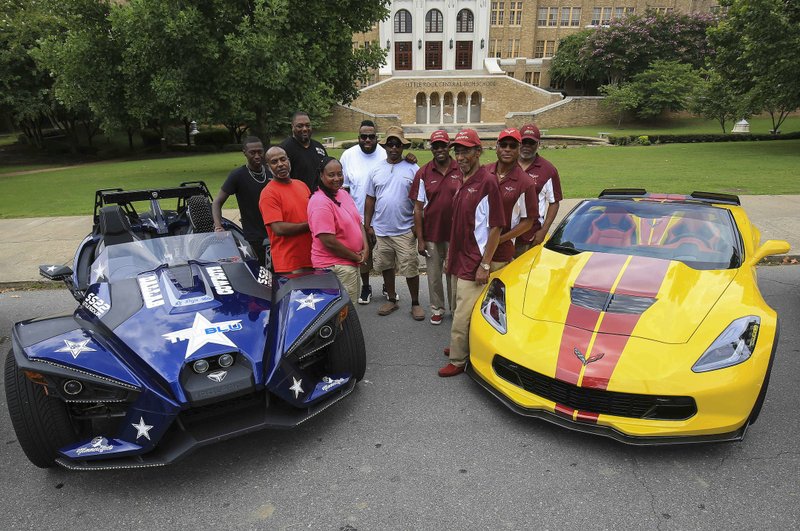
680, 241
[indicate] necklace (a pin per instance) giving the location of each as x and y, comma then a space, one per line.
262, 174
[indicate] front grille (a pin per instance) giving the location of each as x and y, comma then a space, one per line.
596, 400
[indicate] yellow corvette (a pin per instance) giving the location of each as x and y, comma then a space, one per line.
639, 319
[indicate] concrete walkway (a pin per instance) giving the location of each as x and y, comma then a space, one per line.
26, 243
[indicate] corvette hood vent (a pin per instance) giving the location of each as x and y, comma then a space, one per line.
603, 301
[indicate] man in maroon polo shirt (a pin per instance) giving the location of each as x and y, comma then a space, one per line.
548, 187
477, 221
520, 202
432, 191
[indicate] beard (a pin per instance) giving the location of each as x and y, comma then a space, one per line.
366, 150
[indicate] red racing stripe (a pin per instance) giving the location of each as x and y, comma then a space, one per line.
561, 409
600, 272
585, 416
643, 278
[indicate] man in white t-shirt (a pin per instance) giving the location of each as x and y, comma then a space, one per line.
389, 216
357, 163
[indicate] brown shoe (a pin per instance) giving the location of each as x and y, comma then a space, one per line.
417, 313
450, 370
387, 308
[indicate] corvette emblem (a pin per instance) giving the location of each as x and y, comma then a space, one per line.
583, 358
217, 376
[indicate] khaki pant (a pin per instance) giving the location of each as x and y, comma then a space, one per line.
398, 253
435, 263
466, 294
350, 278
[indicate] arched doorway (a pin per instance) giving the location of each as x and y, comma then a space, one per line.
436, 109
448, 108
422, 108
475, 108
461, 108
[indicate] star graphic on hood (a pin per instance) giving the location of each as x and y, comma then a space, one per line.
308, 302
203, 332
142, 429
75, 347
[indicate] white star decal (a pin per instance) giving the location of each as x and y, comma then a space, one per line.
308, 302
203, 332
51, 269
75, 347
142, 429
245, 250
296, 386
99, 271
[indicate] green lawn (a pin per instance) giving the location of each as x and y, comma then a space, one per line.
735, 167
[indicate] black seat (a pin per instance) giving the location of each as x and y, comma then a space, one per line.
114, 226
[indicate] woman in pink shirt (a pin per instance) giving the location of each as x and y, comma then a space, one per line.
339, 242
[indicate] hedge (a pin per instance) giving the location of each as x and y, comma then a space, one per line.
685, 139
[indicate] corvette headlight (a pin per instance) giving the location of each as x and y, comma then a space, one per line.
733, 346
493, 307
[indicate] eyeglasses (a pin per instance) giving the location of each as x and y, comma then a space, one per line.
368, 137
508, 145
393, 144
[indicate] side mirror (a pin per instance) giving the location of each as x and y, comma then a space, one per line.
55, 272
770, 248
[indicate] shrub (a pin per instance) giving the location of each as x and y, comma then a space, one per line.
643, 140
346, 145
686, 139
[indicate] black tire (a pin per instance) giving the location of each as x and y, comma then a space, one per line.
198, 209
348, 354
42, 423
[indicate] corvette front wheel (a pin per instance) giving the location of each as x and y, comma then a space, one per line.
348, 353
41, 422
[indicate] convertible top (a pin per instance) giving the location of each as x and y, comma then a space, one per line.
641, 193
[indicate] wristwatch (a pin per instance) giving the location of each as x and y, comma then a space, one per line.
485, 267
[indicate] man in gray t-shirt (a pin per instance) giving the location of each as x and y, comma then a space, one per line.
389, 216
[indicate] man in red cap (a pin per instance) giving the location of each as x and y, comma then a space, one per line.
520, 203
477, 221
548, 187
432, 191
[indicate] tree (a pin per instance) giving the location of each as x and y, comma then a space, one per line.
665, 86
714, 99
622, 98
756, 53
627, 46
299, 55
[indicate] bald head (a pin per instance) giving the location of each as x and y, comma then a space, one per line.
279, 163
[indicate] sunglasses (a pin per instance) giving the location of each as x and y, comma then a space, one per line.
394, 144
508, 145
368, 137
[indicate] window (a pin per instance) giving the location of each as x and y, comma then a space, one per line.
570, 16
601, 16
537, 78
498, 10
528, 77
510, 74
434, 21
495, 50
544, 49
663, 10
513, 47
548, 16
402, 21
620, 12
465, 21
515, 14
402, 55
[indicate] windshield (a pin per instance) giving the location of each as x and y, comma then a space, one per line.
127, 260
700, 236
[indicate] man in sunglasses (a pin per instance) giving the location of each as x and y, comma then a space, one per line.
520, 201
432, 192
477, 221
548, 187
357, 163
389, 216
